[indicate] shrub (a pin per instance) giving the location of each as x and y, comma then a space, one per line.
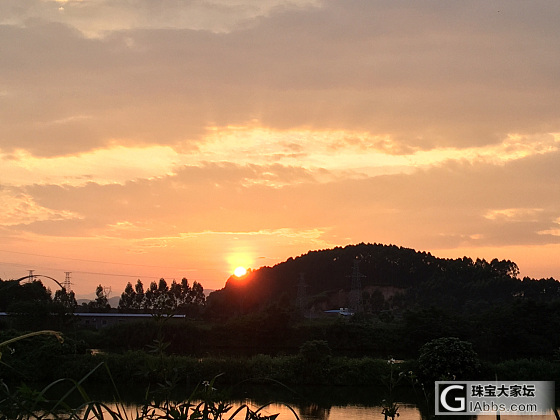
315, 351
447, 358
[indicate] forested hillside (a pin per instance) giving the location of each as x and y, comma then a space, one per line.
391, 277
407, 298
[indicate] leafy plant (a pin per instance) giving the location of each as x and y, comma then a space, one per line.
315, 351
447, 358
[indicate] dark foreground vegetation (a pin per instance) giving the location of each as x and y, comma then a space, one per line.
44, 359
417, 319
33, 367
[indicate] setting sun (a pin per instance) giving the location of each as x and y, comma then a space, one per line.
240, 271
240, 259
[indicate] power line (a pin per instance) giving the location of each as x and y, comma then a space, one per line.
95, 273
91, 272
93, 261
119, 275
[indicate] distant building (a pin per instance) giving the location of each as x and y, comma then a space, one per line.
100, 320
341, 312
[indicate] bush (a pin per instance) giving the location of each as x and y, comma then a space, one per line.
525, 369
315, 351
447, 358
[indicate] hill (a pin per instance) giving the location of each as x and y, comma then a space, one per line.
391, 278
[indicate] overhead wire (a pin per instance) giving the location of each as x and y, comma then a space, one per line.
93, 261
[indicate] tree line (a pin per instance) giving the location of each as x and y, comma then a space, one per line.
34, 298
178, 297
15, 296
392, 279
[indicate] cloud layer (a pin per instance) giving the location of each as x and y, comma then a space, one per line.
309, 123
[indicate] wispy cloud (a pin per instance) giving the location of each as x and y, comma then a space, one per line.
19, 208
95, 18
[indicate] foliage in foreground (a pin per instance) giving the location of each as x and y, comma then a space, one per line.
26, 403
163, 373
29, 404
446, 359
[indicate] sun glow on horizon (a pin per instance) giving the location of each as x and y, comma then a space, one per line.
240, 262
240, 271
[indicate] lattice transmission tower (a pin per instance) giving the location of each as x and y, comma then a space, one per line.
301, 300
67, 284
355, 295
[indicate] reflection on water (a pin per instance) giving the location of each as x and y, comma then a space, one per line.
305, 412
407, 412
314, 411
347, 412
362, 412
311, 403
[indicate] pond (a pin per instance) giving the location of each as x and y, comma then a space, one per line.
345, 412
309, 412
323, 403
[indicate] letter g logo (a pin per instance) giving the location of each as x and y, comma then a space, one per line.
453, 397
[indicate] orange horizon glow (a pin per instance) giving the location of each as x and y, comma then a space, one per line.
226, 143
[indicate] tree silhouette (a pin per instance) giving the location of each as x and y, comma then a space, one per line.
128, 297
162, 298
139, 295
66, 299
101, 302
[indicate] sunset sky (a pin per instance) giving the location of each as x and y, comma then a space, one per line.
147, 139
